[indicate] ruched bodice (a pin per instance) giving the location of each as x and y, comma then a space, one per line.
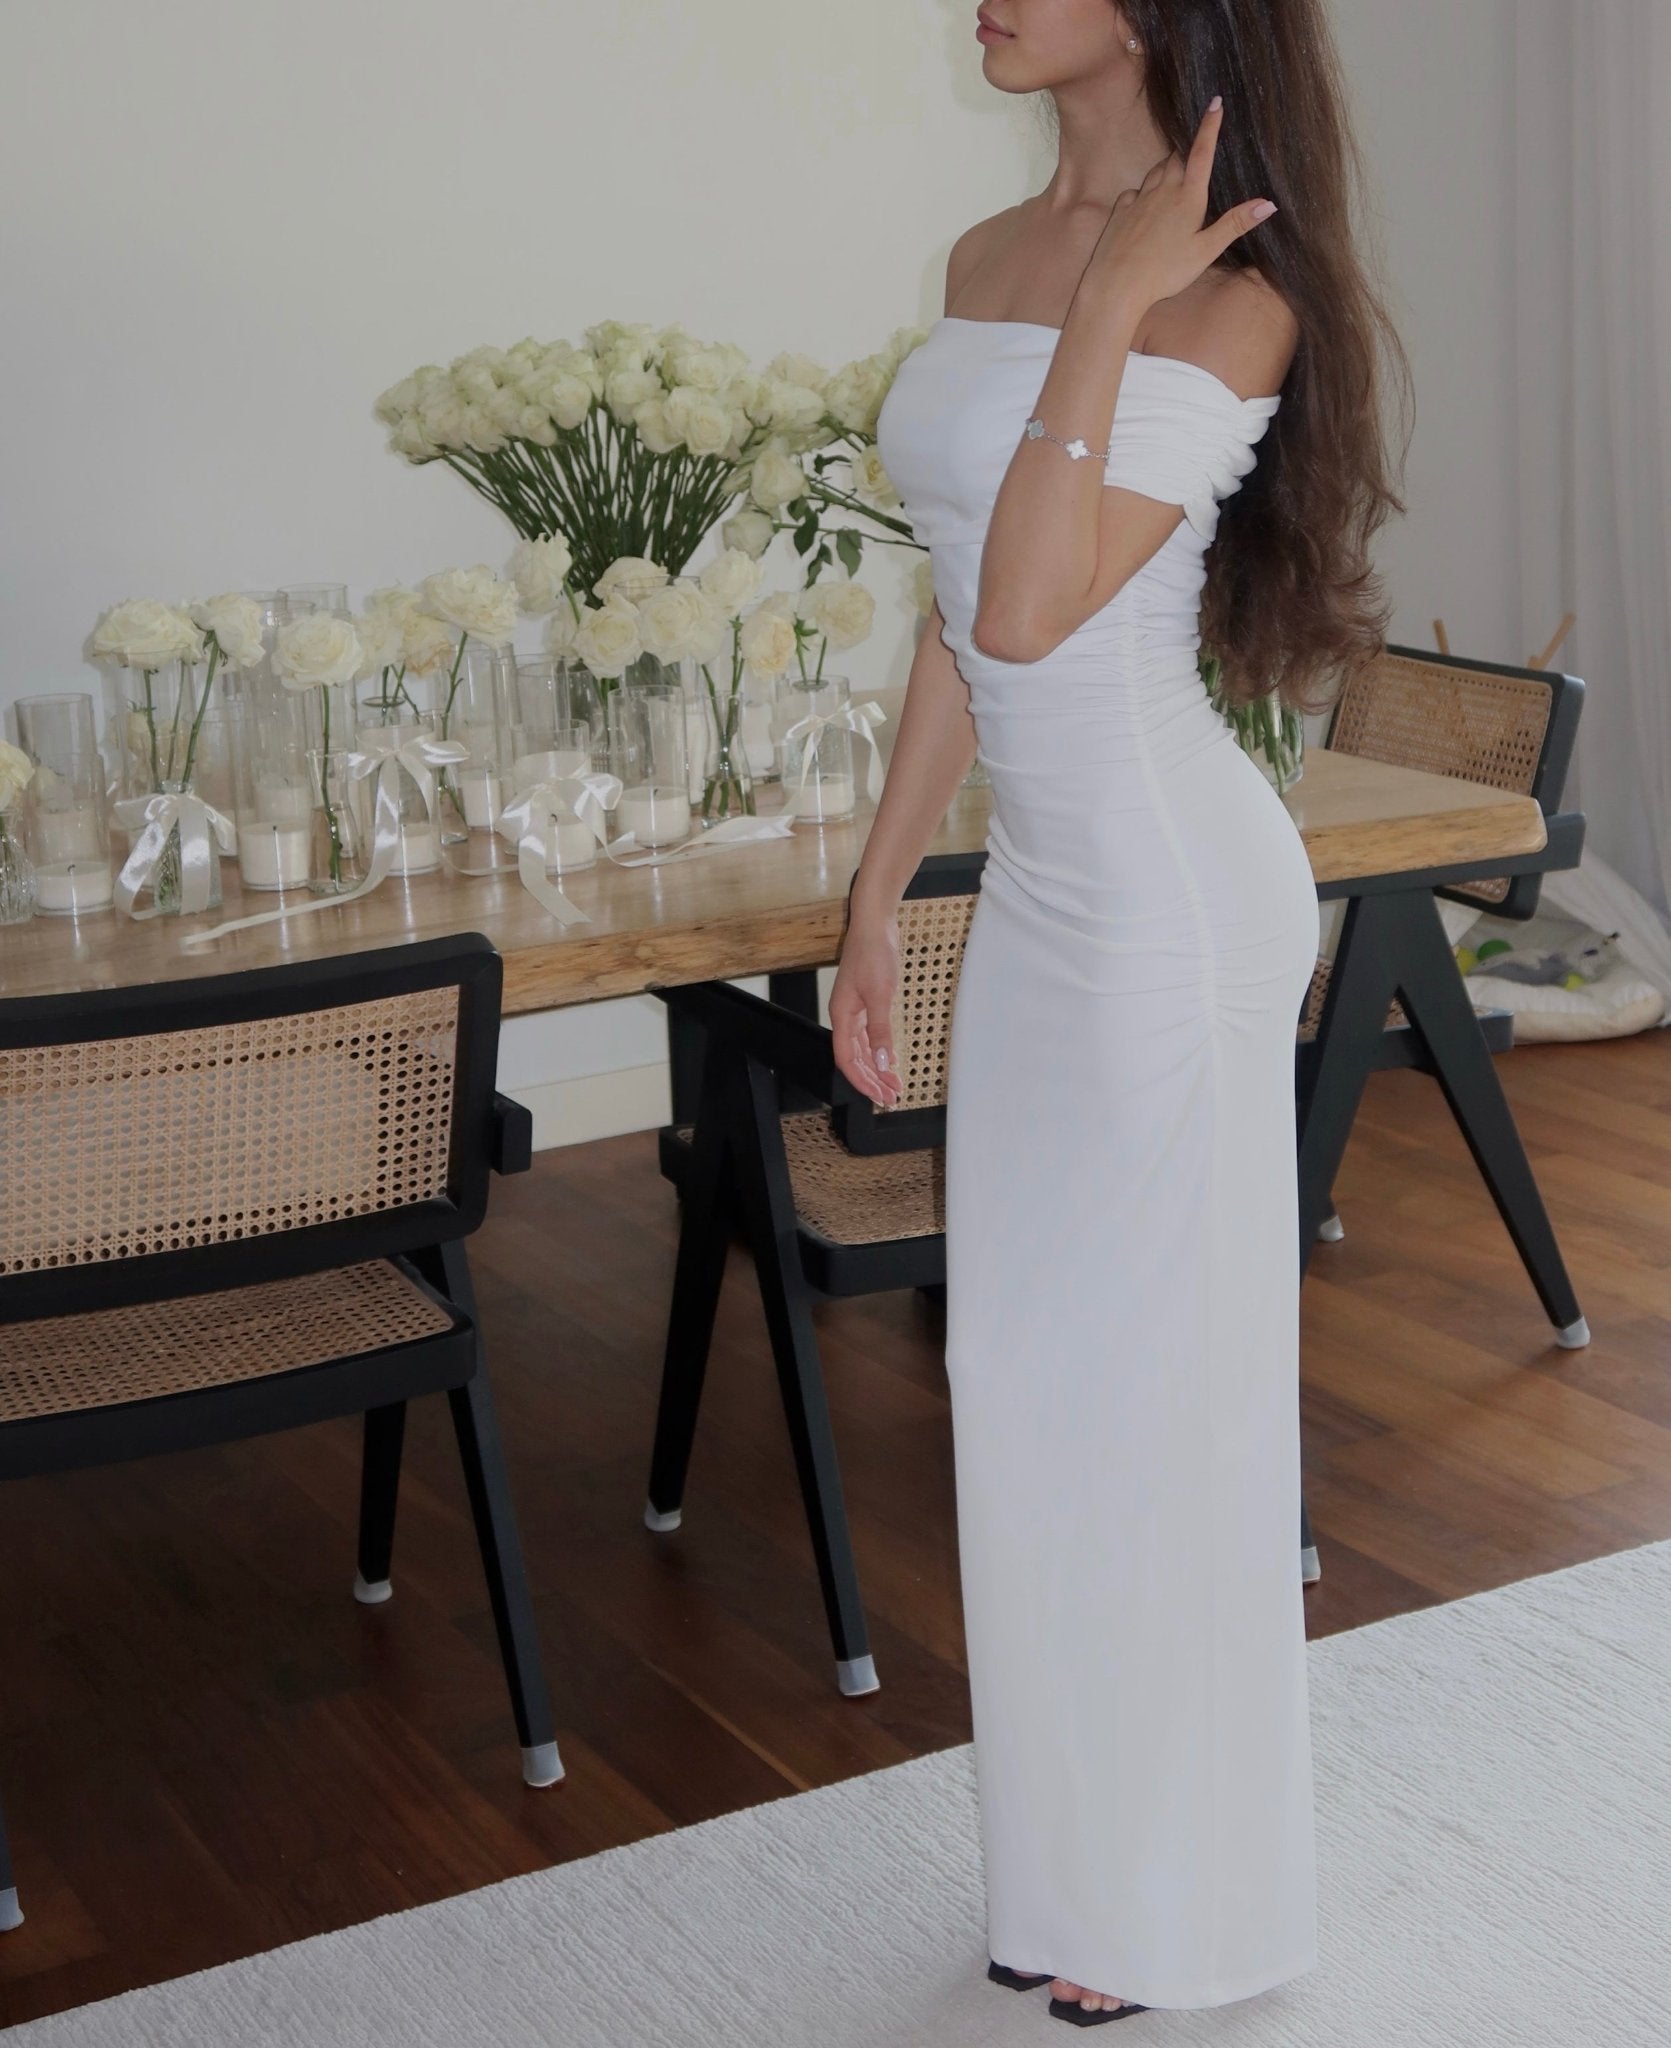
1122, 1311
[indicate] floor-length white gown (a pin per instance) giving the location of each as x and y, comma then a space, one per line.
1122, 1313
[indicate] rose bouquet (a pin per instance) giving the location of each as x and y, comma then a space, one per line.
641, 440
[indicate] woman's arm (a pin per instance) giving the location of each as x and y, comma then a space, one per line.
1062, 540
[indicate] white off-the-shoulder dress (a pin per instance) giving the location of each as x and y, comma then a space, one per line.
1122, 1314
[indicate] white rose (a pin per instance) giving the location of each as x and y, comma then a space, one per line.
15, 770
534, 423
235, 621
144, 634
681, 622
855, 393
426, 644
410, 440
474, 600
441, 418
871, 480
703, 369
750, 533
902, 341
538, 569
777, 478
382, 638
395, 403
318, 648
627, 389
568, 398
607, 639
654, 429
843, 612
630, 576
922, 585
793, 369
700, 421
767, 642
560, 631
787, 408
732, 579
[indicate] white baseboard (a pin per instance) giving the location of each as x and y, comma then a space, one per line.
598, 1105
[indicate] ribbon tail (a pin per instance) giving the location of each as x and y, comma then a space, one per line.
530, 862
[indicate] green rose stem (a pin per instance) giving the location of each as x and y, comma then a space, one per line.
445, 777
726, 783
151, 727
325, 786
197, 722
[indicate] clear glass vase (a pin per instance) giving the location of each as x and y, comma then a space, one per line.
1269, 732
17, 875
726, 788
167, 878
66, 827
819, 785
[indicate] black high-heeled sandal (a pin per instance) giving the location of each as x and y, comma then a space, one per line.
1074, 2013
1017, 1980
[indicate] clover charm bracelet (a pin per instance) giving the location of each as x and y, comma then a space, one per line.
1036, 430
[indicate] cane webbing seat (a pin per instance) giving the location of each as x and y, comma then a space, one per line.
151, 1349
1477, 724
862, 1197
122, 1147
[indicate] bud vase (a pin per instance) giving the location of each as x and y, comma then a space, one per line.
1271, 734
167, 878
727, 787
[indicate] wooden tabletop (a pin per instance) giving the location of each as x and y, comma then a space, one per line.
749, 909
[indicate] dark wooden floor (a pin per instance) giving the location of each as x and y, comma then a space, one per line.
207, 1748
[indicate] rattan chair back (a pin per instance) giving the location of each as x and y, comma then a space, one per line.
1508, 727
205, 1133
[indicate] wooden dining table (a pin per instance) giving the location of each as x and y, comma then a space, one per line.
759, 907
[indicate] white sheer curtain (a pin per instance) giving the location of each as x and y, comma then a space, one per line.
1592, 369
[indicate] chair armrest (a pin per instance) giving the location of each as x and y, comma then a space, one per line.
511, 1149
793, 1046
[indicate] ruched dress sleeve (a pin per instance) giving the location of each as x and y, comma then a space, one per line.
1183, 436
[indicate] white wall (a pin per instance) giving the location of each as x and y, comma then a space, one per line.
228, 227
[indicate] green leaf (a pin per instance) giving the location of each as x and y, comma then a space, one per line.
851, 550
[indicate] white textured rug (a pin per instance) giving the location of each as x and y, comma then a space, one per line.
1494, 1835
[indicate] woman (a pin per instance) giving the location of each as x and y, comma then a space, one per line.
1122, 1263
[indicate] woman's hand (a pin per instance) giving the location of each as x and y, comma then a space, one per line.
1156, 241
861, 1000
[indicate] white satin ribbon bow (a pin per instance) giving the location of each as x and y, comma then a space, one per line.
204, 831
534, 816
420, 758
857, 718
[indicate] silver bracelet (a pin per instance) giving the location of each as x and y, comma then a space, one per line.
1076, 448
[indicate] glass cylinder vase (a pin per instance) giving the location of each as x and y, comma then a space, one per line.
17, 874
726, 786
645, 746
477, 711
274, 792
67, 831
819, 785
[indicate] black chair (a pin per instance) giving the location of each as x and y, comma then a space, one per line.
1512, 728
238, 1205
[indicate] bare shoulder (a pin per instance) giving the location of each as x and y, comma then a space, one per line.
974, 246
1234, 323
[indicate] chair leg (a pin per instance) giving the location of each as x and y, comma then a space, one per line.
705, 1226
385, 1430
11, 1913
1437, 1004
488, 1485
768, 1207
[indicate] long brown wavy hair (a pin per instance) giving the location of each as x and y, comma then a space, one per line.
1291, 603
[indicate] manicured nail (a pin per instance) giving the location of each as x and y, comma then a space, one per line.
1264, 209
1215, 103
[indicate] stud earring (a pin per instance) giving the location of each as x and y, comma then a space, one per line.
1131, 42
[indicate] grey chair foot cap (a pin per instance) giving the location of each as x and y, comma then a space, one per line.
1331, 1230
371, 1592
1311, 1565
857, 1674
11, 1913
1574, 1336
655, 1519
541, 1765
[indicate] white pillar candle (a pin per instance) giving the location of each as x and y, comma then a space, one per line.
551, 766
824, 798
656, 813
66, 887
569, 843
273, 856
283, 800
69, 832
419, 849
479, 790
